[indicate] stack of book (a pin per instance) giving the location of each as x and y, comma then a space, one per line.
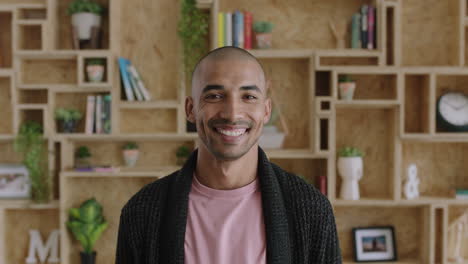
461, 194
134, 88
363, 28
98, 114
235, 29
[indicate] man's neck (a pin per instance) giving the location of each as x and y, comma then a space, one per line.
226, 175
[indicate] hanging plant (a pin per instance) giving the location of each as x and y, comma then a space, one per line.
193, 30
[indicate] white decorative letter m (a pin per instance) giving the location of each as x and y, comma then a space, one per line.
36, 244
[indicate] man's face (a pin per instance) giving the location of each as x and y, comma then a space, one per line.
229, 106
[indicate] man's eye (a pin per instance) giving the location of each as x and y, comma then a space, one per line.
213, 96
250, 97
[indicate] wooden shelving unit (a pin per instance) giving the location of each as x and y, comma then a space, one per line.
421, 52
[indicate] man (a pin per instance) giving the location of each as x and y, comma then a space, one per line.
228, 204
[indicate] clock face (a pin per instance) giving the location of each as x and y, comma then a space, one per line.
453, 107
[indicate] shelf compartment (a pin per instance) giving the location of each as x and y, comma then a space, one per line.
375, 136
309, 169
323, 82
29, 36
6, 106
348, 57
48, 71
416, 103
8, 153
6, 38
32, 113
449, 83
457, 216
441, 166
83, 77
373, 86
35, 96
32, 13
146, 121
410, 226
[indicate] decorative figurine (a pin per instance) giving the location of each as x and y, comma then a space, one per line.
412, 183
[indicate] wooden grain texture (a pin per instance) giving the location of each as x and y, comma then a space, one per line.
30, 37
49, 71
22, 1
348, 61
35, 115
300, 24
310, 169
374, 135
290, 82
455, 212
407, 222
429, 37
377, 87
6, 106
451, 83
441, 166
112, 194
17, 238
8, 154
416, 104
152, 153
32, 96
148, 120
6, 48
157, 57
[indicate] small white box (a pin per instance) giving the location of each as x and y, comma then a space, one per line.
14, 181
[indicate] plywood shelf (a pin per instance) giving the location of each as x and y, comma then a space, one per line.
155, 172
367, 103
27, 204
77, 137
282, 53
170, 104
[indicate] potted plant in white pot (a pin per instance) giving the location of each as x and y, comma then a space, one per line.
182, 153
263, 34
95, 69
68, 119
86, 14
130, 153
346, 85
82, 156
350, 168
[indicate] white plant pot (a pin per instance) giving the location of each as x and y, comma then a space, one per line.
130, 157
95, 73
84, 23
271, 138
350, 170
347, 90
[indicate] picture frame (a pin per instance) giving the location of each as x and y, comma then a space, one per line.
374, 244
14, 181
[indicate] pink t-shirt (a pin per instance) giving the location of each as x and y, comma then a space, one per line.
225, 226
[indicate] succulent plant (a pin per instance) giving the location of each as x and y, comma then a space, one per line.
66, 115
82, 152
263, 26
350, 152
84, 6
130, 145
183, 152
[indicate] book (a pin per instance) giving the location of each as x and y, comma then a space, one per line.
240, 29
228, 29
106, 168
140, 84
125, 79
248, 19
133, 83
356, 31
371, 28
364, 29
106, 113
220, 29
98, 114
89, 122
235, 35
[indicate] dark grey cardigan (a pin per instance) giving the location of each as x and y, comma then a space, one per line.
299, 222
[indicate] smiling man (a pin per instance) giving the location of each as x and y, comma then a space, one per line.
228, 204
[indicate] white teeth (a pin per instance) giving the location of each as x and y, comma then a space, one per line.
232, 133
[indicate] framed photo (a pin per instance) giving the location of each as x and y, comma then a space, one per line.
374, 244
14, 181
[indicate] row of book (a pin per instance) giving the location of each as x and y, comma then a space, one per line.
134, 88
363, 28
98, 114
461, 194
235, 29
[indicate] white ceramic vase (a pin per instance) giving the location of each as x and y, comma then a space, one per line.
84, 22
130, 157
95, 73
350, 170
347, 90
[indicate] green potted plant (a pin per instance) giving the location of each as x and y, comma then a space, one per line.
82, 156
182, 153
263, 34
86, 14
193, 31
350, 168
87, 224
68, 118
95, 68
31, 144
130, 153
346, 86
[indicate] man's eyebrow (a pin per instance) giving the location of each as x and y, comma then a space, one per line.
212, 87
250, 88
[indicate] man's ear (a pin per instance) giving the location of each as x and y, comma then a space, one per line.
189, 109
267, 103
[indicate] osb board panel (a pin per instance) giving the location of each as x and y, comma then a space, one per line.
31, 38
50, 71
64, 28
374, 135
300, 23
454, 213
157, 57
379, 86
152, 153
5, 40
33, 96
17, 226
148, 120
8, 154
6, 110
407, 223
429, 32
112, 194
290, 83
346, 61
73, 101
441, 166
311, 169
416, 103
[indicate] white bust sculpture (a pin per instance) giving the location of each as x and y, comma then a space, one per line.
411, 188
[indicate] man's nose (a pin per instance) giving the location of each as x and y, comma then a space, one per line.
232, 109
